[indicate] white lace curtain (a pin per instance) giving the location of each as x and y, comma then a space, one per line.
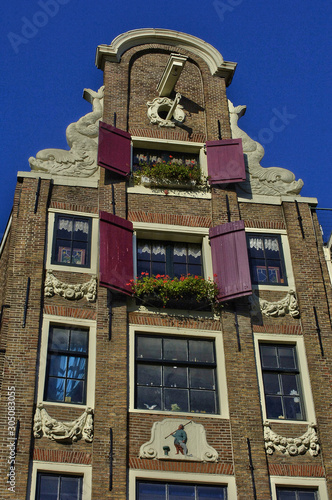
179, 250
79, 225
269, 244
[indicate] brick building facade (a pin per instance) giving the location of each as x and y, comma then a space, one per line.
160, 393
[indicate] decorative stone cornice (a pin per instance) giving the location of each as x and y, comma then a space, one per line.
133, 38
308, 442
287, 305
64, 432
53, 286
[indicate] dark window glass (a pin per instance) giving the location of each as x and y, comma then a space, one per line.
297, 494
179, 491
175, 374
67, 359
58, 487
172, 258
266, 259
71, 241
281, 377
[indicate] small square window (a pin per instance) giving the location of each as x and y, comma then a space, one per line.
58, 487
281, 380
67, 363
71, 241
266, 259
297, 494
176, 374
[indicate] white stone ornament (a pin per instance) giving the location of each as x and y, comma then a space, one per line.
165, 112
272, 181
82, 138
161, 444
308, 442
287, 305
65, 432
53, 286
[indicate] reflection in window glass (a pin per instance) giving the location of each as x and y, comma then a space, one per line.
179, 491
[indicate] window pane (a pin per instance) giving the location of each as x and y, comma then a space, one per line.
201, 351
148, 348
79, 341
176, 399
274, 407
55, 389
271, 247
63, 252
202, 378
296, 494
256, 247
180, 270
211, 493
143, 251
151, 491
158, 268
181, 492
175, 376
70, 488
65, 227
286, 495
194, 253
148, 375
271, 383
81, 230
287, 357
179, 252
274, 272
289, 385
293, 408
76, 367
175, 349
148, 398
59, 339
79, 254
57, 365
48, 487
269, 356
202, 401
75, 391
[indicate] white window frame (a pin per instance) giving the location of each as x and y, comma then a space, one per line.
51, 320
62, 469
308, 403
287, 259
169, 145
216, 336
299, 482
93, 248
182, 477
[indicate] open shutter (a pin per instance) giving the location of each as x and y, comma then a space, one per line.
230, 260
114, 149
225, 161
116, 252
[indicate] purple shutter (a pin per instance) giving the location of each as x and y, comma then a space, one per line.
225, 161
116, 252
114, 149
230, 260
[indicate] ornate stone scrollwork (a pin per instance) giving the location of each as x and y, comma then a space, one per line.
287, 305
163, 442
308, 442
165, 112
53, 286
82, 138
69, 432
272, 181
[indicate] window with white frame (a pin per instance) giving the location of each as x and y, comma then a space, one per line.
177, 371
283, 378
67, 365
298, 488
53, 481
266, 259
72, 241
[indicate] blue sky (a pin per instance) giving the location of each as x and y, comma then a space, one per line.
282, 48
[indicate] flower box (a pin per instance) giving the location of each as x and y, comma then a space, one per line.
167, 183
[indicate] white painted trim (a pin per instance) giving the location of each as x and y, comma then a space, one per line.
183, 477
63, 180
277, 200
304, 374
287, 260
137, 37
300, 482
4, 238
91, 378
63, 469
170, 192
183, 332
94, 242
327, 255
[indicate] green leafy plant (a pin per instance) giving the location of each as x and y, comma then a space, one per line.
166, 288
170, 170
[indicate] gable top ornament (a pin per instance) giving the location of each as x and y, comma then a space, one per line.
215, 61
